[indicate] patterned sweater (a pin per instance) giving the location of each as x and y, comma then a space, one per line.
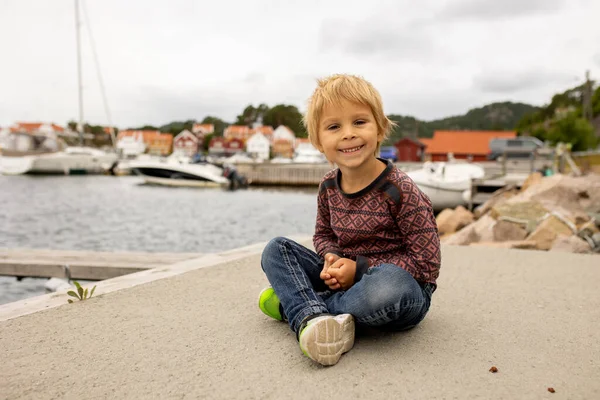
390, 221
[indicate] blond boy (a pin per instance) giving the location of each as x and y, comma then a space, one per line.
377, 246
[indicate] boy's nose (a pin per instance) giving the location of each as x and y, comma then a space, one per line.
348, 133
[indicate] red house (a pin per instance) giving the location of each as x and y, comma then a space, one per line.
466, 145
410, 149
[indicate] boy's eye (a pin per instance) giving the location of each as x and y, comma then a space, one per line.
332, 127
360, 122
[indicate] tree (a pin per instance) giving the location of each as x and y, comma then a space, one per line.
287, 115
574, 130
219, 124
207, 140
251, 114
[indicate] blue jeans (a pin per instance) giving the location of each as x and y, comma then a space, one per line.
387, 296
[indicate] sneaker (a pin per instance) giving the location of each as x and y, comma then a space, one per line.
268, 302
325, 338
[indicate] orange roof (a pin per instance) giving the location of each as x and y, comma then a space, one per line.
463, 142
205, 128
31, 127
237, 129
265, 130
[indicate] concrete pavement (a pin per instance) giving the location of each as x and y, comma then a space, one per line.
197, 333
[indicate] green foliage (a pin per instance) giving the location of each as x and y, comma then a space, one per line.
562, 120
81, 294
575, 130
287, 115
251, 114
219, 124
496, 116
207, 140
175, 128
596, 102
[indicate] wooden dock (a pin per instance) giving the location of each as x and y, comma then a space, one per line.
84, 265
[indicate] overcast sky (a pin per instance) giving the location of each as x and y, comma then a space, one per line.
166, 60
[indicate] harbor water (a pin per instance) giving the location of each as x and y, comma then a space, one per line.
107, 213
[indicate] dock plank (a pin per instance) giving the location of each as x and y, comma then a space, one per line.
87, 265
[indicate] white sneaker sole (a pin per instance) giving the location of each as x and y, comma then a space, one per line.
326, 338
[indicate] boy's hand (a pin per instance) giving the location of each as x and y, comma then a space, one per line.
330, 258
342, 274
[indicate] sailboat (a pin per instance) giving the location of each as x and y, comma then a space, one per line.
42, 153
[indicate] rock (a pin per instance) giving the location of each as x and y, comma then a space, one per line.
508, 231
571, 244
529, 213
588, 229
455, 220
576, 194
547, 231
480, 230
531, 180
499, 197
509, 244
443, 219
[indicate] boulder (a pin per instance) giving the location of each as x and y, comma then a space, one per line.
571, 244
547, 231
455, 220
480, 230
531, 180
527, 213
443, 219
576, 194
508, 231
509, 244
499, 197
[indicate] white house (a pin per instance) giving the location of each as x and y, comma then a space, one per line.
258, 146
131, 146
284, 133
185, 144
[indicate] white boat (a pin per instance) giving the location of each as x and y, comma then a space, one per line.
306, 153
41, 152
39, 157
447, 185
180, 173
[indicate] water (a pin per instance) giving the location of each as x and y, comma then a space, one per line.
107, 213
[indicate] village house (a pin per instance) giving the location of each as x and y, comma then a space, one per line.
283, 148
185, 144
157, 143
284, 133
266, 130
241, 132
258, 146
202, 130
220, 147
410, 149
466, 145
216, 147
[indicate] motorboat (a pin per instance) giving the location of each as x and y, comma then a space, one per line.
177, 172
40, 155
447, 184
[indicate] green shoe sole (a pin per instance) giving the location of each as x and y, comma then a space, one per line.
268, 302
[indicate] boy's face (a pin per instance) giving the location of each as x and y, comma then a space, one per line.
348, 134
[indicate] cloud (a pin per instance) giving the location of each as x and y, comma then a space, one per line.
516, 81
389, 39
597, 59
486, 10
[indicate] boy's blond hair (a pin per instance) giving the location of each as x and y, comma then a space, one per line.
333, 89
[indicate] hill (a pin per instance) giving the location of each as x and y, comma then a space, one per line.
495, 116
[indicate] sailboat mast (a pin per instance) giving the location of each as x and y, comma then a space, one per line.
80, 85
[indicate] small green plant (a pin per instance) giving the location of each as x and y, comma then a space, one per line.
81, 294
